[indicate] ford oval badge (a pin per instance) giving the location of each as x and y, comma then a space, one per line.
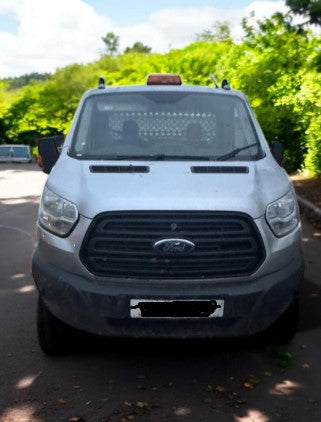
174, 246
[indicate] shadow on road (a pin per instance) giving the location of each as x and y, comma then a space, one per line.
310, 306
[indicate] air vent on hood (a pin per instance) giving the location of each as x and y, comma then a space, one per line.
220, 169
119, 169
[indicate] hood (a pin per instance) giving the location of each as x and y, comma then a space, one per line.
169, 185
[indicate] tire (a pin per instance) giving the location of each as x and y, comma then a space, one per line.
55, 337
285, 328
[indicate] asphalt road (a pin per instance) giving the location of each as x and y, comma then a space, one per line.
143, 380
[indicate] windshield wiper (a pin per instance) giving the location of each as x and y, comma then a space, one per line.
157, 157
235, 152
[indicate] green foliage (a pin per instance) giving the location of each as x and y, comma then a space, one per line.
23, 80
220, 31
274, 66
308, 8
271, 73
138, 47
111, 42
313, 158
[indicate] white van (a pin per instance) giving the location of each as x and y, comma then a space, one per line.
15, 154
166, 215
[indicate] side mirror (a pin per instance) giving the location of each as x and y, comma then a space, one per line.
277, 152
49, 150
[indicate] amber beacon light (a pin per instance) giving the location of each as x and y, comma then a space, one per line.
164, 79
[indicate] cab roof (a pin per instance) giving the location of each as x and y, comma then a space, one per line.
163, 88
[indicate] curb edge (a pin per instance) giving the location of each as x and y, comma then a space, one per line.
306, 204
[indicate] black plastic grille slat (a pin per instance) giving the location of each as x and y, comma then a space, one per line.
130, 260
119, 169
220, 169
120, 244
120, 267
228, 247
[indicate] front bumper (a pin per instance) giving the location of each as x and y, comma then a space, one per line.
102, 307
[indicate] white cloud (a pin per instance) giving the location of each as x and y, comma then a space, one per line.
178, 27
53, 34
50, 35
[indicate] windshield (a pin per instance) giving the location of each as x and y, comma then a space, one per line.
165, 125
4, 151
20, 152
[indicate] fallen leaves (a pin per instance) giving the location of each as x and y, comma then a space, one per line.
251, 382
232, 398
219, 389
238, 403
182, 411
142, 404
128, 403
248, 385
62, 401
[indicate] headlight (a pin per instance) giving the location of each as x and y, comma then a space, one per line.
283, 215
56, 214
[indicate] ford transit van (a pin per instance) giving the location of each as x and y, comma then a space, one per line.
166, 215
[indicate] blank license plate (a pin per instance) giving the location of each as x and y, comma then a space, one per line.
144, 308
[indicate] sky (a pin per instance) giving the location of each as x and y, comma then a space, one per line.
43, 35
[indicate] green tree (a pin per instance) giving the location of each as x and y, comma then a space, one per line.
220, 32
138, 47
23, 80
278, 81
311, 9
111, 42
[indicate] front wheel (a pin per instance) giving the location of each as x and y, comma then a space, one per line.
55, 337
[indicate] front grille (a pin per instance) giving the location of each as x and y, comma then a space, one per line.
121, 244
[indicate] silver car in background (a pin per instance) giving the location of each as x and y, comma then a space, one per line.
166, 215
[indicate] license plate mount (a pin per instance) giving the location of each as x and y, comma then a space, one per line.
176, 309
